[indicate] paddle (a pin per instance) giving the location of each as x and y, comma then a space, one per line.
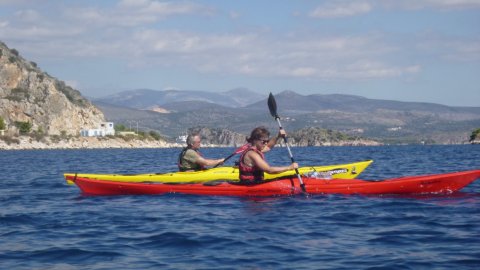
237, 151
272, 106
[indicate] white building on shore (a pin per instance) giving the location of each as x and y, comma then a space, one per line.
181, 139
105, 128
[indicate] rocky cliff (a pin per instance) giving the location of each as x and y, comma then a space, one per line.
314, 136
311, 136
212, 136
29, 95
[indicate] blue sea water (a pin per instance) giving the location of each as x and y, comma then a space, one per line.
47, 224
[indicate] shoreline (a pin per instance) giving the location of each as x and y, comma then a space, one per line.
28, 143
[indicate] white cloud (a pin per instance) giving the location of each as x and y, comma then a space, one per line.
347, 8
161, 42
234, 15
158, 8
413, 69
341, 9
16, 2
138, 12
132, 13
321, 58
448, 49
371, 69
28, 15
303, 72
429, 4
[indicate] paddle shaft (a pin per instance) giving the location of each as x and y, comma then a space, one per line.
227, 158
302, 185
237, 151
272, 106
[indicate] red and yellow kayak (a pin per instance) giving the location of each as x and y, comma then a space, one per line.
423, 184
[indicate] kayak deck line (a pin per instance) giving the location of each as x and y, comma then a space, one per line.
445, 183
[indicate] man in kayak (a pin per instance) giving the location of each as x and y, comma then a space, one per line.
190, 158
252, 164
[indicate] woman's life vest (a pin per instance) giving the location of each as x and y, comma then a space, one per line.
247, 173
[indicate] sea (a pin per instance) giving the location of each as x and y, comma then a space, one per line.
47, 224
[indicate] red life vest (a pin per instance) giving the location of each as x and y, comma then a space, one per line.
247, 173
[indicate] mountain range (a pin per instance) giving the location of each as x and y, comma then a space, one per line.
172, 112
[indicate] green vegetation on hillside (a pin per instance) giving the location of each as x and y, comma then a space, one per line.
315, 136
475, 134
120, 128
73, 95
2, 123
142, 135
23, 127
18, 94
155, 135
13, 58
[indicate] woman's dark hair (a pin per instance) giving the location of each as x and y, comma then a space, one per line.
258, 133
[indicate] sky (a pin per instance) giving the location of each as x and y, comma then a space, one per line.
406, 50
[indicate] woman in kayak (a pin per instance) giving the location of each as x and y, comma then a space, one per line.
252, 164
190, 158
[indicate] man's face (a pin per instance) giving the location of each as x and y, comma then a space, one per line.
196, 142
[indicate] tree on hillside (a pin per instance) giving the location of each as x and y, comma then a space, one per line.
155, 135
2, 123
23, 127
475, 134
120, 127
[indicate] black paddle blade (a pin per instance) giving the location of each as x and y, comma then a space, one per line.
272, 106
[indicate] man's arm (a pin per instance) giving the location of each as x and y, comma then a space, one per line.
208, 162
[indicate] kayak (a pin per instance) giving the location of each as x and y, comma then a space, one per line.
344, 171
424, 184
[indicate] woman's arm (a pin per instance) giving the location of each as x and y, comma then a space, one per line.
273, 141
264, 166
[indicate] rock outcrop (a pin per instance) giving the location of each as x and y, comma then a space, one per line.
313, 136
305, 137
29, 95
219, 136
